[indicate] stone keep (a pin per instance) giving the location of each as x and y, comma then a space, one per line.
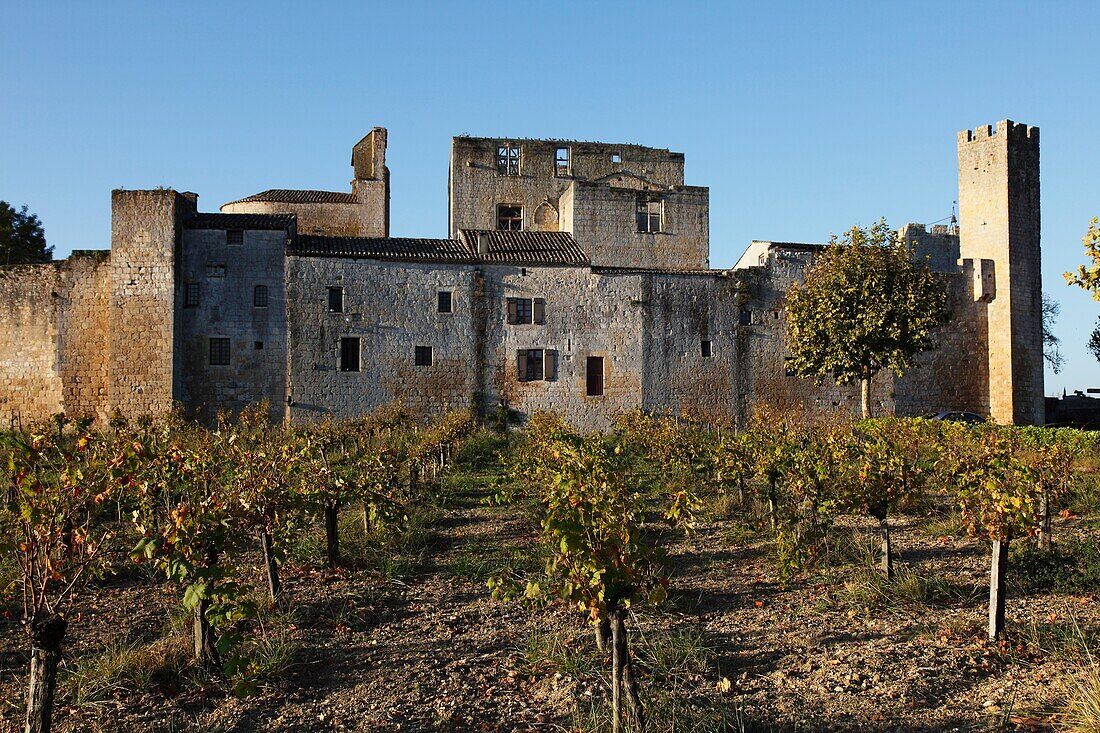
216, 311
999, 221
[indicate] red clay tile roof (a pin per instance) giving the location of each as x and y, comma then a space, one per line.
240, 221
505, 248
295, 196
527, 248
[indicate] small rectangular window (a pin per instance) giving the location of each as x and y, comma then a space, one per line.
704, 348
191, 295
563, 161
335, 300
258, 345
616, 158
423, 356
509, 217
259, 296
536, 365
508, 159
234, 236
538, 311
219, 352
349, 354
445, 301
649, 209
593, 376
215, 269
744, 318
520, 310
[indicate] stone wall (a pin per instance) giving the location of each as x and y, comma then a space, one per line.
392, 308
364, 219
53, 339
999, 221
141, 323
226, 276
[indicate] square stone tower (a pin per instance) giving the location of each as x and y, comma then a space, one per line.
999, 221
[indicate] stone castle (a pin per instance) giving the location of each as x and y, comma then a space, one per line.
575, 278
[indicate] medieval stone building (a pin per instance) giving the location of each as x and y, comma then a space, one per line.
575, 278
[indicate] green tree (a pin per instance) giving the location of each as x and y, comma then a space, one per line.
864, 305
1088, 276
22, 239
1094, 341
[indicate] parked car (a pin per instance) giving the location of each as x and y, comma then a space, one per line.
970, 418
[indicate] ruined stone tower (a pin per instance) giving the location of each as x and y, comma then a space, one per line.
999, 221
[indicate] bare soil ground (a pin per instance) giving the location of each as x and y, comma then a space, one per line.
422, 646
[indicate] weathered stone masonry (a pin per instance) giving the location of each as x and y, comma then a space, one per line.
575, 279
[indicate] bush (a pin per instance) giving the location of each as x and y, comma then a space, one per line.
481, 451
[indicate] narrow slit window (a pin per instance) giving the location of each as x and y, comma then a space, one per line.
259, 296
349, 354
423, 356
191, 296
445, 301
219, 352
593, 376
335, 300
704, 348
509, 217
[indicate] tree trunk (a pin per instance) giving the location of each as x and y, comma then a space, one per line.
274, 586
46, 636
886, 563
603, 634
622, 675
332, 536
206, 648
865, 395
1044, 539
771, 503
997, 572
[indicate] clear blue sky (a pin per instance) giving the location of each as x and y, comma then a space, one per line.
803, 118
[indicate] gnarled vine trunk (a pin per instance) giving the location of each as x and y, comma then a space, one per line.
332, 535
274, 586
622, 676
1045, 538
206, 642
47, 633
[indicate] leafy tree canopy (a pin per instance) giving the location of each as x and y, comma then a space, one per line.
22, 239
864, 305
1088, 276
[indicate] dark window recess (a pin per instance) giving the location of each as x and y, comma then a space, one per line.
593, 376
744, 318
219, 352
349, 354
191, 295
520, 310
259, 296
562, 161
787, 368
649, 212
508, 159
704, 348
258, 345
445, 301
423, 356
335, 300
509, 217
234, 236
536, 365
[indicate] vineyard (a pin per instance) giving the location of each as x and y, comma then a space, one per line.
400, 573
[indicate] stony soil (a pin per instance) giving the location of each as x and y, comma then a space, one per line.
430, 650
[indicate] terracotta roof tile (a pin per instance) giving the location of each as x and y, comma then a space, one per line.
296, 196
240, 221
527, 248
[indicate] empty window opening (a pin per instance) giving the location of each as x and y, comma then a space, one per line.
335, 300
219, 352
423, 356
563, 162
234, 236
191, 295
259, 296
509, 217
258, 345
508, 156
349, 354
616, 158
445, 301
649, 212
593, 376
526, 310
744, 318
704, 348
536, 365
